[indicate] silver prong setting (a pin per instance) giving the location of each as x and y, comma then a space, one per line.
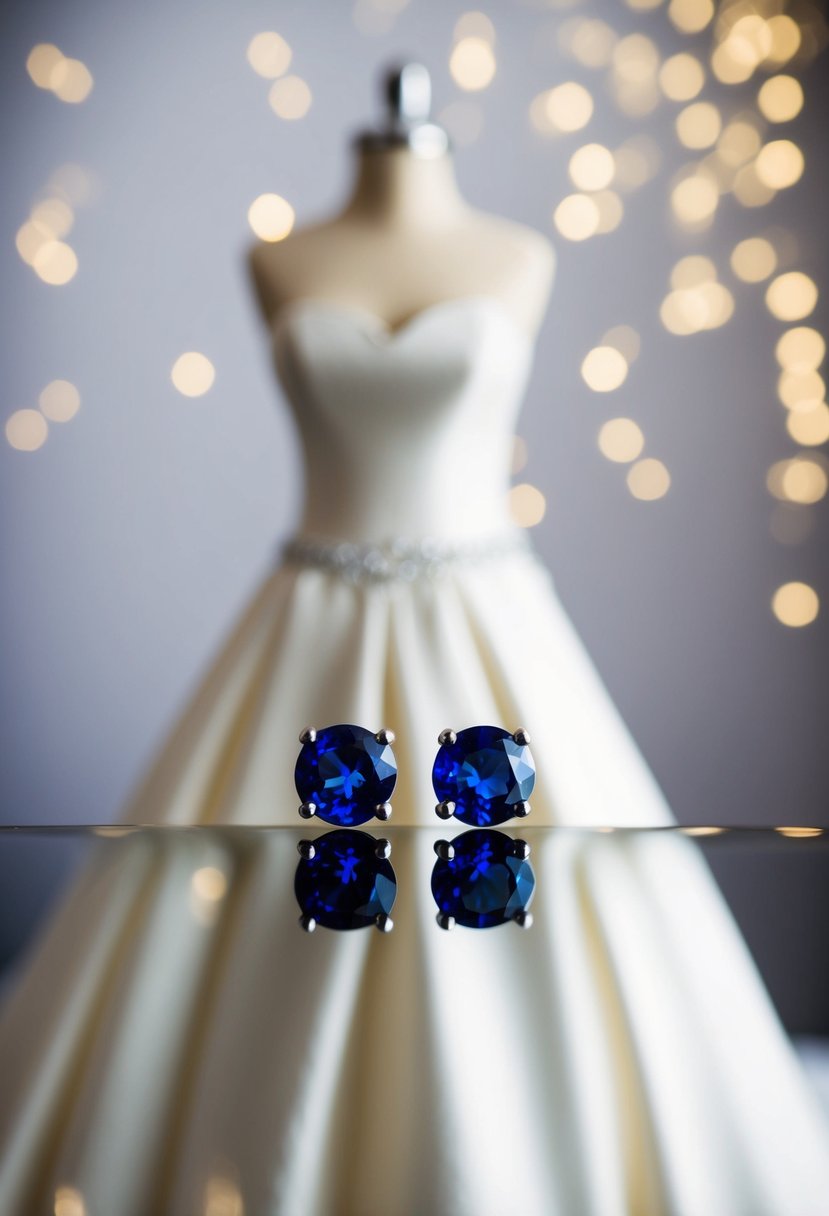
382, 849
306, 850
522, 809
521, 849
385, 736
444, 921
447, 736
307, 923
521, 736
308, 810
444, 850
445, 809
383, 811
523, 918
308, 735
384, 923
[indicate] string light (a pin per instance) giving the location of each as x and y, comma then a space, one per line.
567, 107
681, 77
193, 374
269, 54
791, 296
780, 98
591, 167
648, 479
472, 64
801, 349
779, 164
527, 505
795, 604
604, 368
59, 401
271, 217
621, 440
809, 427
27, 430
577, 217
754, 259
71, 81
290, 97
55, 263
698, 125
691, 16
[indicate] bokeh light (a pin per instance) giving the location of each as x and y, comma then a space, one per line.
577, 217
59, 401
591, 167
691, 16
779, 164
801, 349
567, 107
71, 81
625, 339
55, 262
795, 604
648, 479
780, 98
754, 259
681, 77
527, 505
621, 440
809, 427
271, 217
604, 368
694, 199
698, 125
290, 97
193, 374
69, 1201
27, 430
801, 391
791, 296
472, 63
41, 62
269, 54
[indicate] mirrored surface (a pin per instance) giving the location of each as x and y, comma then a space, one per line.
173, 1039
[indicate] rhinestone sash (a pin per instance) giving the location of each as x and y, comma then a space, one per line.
399, 560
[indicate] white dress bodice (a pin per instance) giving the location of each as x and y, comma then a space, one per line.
406, 432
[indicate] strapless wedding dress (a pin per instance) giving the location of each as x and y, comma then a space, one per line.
625, 1061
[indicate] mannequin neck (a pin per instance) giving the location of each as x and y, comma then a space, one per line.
397, 188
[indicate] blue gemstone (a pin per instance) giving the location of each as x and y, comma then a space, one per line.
346, 773
345, 885
487, 881
485, 773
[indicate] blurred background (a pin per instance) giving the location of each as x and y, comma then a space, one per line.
671, 461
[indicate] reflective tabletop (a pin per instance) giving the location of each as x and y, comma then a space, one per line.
233, 1020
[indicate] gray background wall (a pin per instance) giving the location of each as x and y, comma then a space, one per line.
134, 536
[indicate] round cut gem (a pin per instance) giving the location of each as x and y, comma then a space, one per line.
485, 773
346, 773
486, 882
347, 883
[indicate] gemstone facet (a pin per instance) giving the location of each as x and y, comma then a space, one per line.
485, 773
482, 878
345, 773
347, 882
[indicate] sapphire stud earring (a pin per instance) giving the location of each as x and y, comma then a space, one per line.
345, 774
483, 775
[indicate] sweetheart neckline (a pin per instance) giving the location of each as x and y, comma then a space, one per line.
390, 334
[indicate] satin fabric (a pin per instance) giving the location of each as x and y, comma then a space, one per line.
623, 1058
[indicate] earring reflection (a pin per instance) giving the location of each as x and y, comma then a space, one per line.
482, 878
344, 880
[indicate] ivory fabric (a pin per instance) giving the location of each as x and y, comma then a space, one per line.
620, 1058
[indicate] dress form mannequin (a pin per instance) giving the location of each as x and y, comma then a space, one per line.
406, 238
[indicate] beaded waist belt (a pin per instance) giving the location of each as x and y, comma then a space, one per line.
398, 559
